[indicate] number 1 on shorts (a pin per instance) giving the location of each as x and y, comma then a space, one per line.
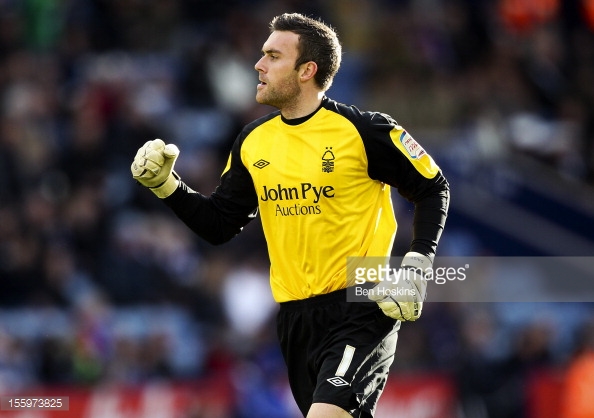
347, 358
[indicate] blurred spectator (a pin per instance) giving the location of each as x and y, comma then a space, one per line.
16, 368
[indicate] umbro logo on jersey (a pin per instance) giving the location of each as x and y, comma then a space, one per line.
261, 163
338, 381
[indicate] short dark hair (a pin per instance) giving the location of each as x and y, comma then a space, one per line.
318, 42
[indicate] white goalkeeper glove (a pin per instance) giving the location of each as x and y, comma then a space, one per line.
401, 297
153, 167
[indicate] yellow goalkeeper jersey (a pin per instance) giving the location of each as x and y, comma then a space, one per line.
322, 187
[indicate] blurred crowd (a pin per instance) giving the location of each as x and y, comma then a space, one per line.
100, 283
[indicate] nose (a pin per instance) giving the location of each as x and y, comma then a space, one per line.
258, 66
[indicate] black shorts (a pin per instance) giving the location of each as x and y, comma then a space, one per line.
337, 352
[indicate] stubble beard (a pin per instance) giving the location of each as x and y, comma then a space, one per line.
284, 95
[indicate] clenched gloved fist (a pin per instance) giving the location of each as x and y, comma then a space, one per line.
401, 295
153, 167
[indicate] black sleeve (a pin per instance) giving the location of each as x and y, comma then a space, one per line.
429, 195
222, 215
430, 216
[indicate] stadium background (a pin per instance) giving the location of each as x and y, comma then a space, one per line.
106, 298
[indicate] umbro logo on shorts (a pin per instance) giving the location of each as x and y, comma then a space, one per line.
261, 163
338, 381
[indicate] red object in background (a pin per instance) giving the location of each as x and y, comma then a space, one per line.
588, 11
417, 396
543, 394
520, 16
211, 398
577, 397
565, 393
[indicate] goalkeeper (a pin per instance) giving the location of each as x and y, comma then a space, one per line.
319, 173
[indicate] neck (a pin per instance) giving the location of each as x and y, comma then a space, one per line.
303, 107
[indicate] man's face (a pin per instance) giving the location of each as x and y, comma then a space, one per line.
279, 80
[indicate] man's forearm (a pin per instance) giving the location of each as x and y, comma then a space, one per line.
200, 214
429, 220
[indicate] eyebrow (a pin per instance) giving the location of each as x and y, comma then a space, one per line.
271, 51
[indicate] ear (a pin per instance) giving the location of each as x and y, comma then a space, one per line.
308, 70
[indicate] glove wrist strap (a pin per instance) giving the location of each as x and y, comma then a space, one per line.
416, 260
166, 188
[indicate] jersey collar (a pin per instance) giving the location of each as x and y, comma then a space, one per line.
298, 121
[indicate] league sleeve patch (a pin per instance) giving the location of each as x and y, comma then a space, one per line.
414, 152
412, 147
